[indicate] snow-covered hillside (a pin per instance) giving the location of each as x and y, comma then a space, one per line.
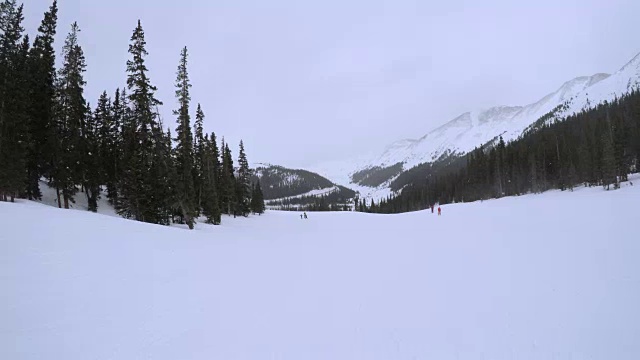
550, 276
473, 129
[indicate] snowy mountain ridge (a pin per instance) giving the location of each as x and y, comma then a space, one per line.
476, 128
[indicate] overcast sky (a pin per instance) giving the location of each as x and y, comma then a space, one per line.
304, 82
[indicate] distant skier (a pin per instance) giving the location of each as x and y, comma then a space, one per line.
439, 210
300, 216
432, 208
305, 215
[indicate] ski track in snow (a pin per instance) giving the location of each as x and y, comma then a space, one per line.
548, 276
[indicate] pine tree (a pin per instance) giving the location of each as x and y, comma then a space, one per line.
13, 107
184, 149
120, 117
70, 117
41, 94
92, 176
227, 182
199, 148
257, 199
572, 177
243, 183
608, 162
165, 178
144, 141
210, 199
107, 125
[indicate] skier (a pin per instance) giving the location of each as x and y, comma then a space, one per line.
301, 216
432, 208
305, 215
439, 211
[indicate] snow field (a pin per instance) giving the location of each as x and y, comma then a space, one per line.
549, 276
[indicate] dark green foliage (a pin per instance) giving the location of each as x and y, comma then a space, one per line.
227, 189
47, 130
594, 147
92, 175
377, 175
286, 185
243, 184
147, 162
198, 161
69, 147
257, 198
420, 172
42, 74
334, 201
107, 122
185, 192
279, 182
210, 176
608, 162
13, 107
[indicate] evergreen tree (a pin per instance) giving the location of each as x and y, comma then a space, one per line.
608, 162
184, 149
92, 176
243, 183
145, 142
70, 117
120, 117
108, 129
227, 182
13, 107
257, 199
199, 148
41, 94
164, 182
210, 199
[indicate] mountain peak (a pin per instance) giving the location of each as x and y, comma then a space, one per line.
633, 64
476, 128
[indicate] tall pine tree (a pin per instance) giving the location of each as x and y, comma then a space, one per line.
257, 199
243, 183
184, 149
42, 95
14, 95
198, 165
227, 182
70, 149
108, 128
210, 198
144, 141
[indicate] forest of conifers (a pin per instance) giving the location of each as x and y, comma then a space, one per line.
596, 147
121, 150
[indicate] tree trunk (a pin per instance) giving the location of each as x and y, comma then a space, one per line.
186, 218
58, 195
66, 202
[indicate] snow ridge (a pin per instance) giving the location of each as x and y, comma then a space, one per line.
476, 128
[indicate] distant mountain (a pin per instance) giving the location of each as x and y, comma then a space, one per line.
476, 128
295, 188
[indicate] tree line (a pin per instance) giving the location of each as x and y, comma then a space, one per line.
120, 149
338, 200
596, 147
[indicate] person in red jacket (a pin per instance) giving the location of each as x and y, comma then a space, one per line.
439, 211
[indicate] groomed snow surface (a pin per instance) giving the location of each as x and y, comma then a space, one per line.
550, 276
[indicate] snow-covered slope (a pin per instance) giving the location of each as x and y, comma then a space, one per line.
478, 282
473, 129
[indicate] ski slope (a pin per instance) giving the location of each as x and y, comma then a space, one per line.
550, 276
